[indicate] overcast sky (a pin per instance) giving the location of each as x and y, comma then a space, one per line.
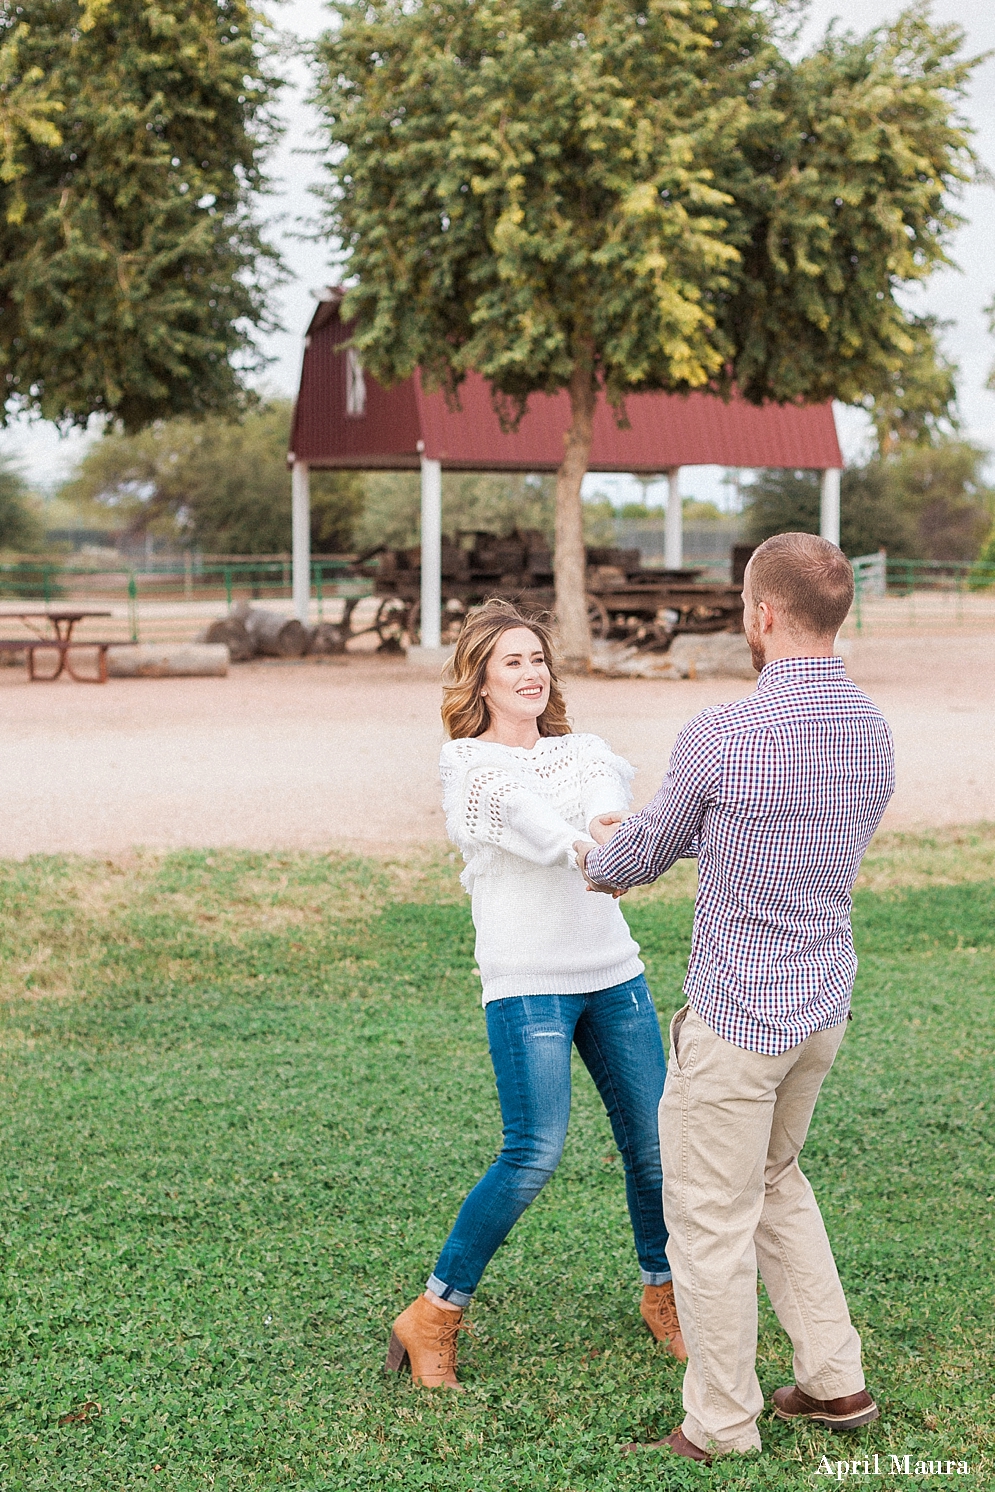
958, 296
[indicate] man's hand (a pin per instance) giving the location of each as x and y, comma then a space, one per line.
604, 826
582, 848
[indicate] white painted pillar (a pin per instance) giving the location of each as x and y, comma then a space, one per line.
829, 517
431, 553
300, 527
673, 544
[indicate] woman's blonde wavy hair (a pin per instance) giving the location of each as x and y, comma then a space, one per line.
464, 710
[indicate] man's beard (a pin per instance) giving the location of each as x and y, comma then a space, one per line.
756, 649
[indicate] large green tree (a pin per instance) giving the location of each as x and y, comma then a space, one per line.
608, 196
132, 267
217, 485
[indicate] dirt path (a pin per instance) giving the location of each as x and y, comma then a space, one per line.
343, 753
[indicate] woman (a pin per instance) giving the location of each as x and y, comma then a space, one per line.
558, 966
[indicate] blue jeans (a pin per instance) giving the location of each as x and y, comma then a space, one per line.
617, 1035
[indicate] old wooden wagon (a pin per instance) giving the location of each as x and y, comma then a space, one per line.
646, 607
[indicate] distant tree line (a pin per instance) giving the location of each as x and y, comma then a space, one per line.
926, 502
214, 484
20, 527
221, 486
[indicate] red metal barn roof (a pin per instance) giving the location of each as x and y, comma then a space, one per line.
390, 428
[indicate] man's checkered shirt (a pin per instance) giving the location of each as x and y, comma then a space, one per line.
778, 796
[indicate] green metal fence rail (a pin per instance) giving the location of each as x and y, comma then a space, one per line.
45, 581
906, 576
45, 578
880, 573
877, 576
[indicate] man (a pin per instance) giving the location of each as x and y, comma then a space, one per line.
778, 796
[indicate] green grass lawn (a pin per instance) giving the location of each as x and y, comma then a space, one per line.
243, 1096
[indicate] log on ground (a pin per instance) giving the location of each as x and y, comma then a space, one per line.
326, 637
231, 631
151, 660
276, 636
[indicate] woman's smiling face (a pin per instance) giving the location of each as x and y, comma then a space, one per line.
516, 680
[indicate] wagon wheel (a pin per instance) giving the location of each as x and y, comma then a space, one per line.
392, 622
597, 617
453, 617
450, 622
347, 611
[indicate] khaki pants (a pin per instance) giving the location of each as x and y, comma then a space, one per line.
731, 1125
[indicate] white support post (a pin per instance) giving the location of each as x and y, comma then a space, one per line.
673, 550
431, 553
829, 517
300, 489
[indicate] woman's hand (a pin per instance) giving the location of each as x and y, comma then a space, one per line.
603, 827
581, 850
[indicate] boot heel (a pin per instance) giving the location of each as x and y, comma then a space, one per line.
397, 1355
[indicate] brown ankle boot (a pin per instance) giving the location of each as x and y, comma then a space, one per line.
424, 1338
659, 1311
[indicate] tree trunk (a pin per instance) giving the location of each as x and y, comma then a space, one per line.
569, 563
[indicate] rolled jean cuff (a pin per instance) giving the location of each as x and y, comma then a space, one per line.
447, 1292
656, 1277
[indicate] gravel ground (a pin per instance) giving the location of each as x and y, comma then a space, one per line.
342, 752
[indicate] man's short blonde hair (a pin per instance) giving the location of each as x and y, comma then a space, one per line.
806, 578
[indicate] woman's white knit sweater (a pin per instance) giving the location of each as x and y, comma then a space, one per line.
515, 814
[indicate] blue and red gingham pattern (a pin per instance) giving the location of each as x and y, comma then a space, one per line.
778, 795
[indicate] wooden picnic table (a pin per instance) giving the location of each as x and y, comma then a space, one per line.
62, 621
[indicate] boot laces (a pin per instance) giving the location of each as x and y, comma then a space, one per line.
448, 1337
669, 1320
666, 1313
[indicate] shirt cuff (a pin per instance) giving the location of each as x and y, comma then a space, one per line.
592, 875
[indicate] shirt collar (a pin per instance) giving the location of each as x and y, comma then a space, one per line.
790, 670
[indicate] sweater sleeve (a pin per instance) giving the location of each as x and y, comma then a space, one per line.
488, 806
501, 811
604, 780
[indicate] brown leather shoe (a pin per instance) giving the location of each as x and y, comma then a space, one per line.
682, 1446
659, 1310
676, 1441
424, 1339
848, 1413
